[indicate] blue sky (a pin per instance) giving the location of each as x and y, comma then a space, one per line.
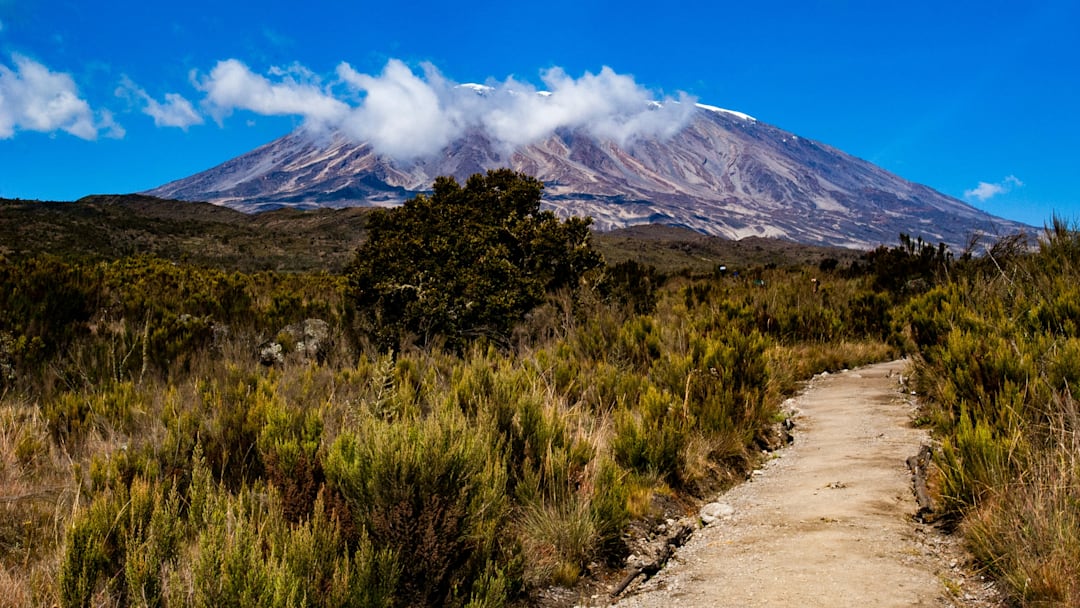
975, 99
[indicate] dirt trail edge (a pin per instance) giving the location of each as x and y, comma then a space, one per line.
828, 521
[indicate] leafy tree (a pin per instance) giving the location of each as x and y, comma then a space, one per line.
464, 262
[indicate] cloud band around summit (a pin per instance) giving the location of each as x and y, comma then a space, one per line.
407, 115
399, 112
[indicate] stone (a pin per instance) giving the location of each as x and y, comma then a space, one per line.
271, 353
715, 511
311, 338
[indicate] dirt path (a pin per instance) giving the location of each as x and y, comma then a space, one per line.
828, 522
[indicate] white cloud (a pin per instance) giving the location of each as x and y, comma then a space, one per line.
175, 112
108, 123
231, 85
985, 190
408, 115
401, 115
33, 98
607, 105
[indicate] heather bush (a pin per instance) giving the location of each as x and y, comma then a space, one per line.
119, 546
998, 357
432, 488
650, 436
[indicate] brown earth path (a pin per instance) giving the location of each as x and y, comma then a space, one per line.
828, 521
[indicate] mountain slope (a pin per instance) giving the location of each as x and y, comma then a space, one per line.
724, 174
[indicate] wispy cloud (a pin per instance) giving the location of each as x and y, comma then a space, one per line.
231, 86
176, 111
985, 190
107, 123
407, 115
34, 98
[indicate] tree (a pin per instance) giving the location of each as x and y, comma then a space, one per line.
912, 267
464, 262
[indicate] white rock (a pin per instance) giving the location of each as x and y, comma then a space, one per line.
716, 510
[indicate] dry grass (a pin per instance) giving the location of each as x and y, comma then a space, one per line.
789, 364
1028, 530
36, 495
559, 540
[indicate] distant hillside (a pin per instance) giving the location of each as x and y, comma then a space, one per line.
671, 250
113, 226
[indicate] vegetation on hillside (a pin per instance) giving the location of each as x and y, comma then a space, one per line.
108, 228
111, 227
999, 360
150, 456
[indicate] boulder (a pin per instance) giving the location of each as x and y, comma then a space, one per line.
311, 339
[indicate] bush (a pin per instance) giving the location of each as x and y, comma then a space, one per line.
465, 262
433, 489
998, 353
120, 546
650, 437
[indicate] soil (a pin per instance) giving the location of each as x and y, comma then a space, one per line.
829, 521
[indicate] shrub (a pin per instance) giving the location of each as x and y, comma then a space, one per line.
430, 488
288, 444
120, 545
464, 263
650, 437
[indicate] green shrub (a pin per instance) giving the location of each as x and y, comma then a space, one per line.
120, 545
288, 444
609, 508
976, 459
430, 488
998, 355
650, 437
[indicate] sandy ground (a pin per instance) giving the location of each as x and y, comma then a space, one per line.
828, 521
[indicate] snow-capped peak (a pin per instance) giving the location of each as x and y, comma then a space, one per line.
724, 111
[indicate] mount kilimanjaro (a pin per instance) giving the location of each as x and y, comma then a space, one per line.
724, 174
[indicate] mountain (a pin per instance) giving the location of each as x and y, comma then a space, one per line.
723, 174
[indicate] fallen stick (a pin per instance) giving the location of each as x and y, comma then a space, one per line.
650, 569
918, 465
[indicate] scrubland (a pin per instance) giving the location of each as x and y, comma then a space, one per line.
149, 458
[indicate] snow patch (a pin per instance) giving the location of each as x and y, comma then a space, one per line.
725, 111
481, 89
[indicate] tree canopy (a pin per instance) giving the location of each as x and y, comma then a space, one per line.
465, 262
